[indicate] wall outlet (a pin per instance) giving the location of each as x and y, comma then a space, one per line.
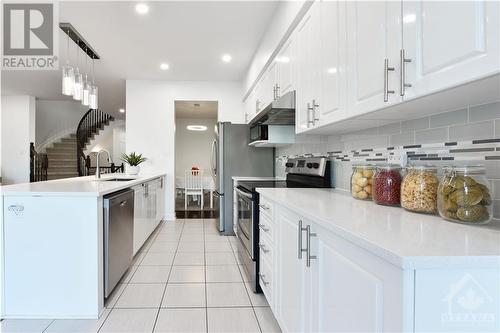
399, 159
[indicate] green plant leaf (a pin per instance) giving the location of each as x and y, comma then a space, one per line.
133, 159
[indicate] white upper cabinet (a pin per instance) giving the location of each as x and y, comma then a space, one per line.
286, 66
308, 76
333, 61
449, 43
374, 41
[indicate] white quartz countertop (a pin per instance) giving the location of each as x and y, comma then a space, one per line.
78, 186
408, 240
242, 178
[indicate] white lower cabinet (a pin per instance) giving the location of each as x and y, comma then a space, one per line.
149, 200
340, 288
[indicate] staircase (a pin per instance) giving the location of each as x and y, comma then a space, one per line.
62, 159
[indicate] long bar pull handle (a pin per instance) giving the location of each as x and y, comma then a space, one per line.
277, 91
314, 106
300, 229
309, 234
404, 60
386, 80
310, 111
274, 93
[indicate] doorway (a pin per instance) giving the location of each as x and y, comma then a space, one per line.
195, 123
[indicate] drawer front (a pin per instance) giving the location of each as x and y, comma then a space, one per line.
266, 249
265, 225
266, 280
266, 207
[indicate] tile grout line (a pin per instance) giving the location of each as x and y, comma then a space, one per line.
205, 270
168, 278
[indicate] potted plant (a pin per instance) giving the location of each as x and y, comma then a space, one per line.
133, 160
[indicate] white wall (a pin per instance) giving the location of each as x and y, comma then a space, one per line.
192, 148
56, 119
17, 131
282, 21
151, 118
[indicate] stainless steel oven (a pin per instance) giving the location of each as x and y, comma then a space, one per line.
247, 233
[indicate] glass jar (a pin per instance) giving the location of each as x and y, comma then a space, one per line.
464, 195
387, 185
419, 189
361, 181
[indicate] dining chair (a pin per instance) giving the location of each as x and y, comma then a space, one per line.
193, 186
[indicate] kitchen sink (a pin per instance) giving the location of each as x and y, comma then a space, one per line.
118, 179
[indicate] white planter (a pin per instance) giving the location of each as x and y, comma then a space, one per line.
133, 170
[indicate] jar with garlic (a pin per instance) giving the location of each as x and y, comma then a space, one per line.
361, 181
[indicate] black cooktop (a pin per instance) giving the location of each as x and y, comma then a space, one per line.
251, 185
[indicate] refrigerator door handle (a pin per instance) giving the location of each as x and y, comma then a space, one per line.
213, 167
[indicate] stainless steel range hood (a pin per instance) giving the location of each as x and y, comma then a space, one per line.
279, 112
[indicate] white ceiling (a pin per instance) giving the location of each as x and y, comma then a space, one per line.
190, 36
196, 109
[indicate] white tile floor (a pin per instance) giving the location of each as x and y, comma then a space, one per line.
185, 279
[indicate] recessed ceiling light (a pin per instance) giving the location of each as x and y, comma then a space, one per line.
164, 66
142, 8
227, 58
122, 110
196, 127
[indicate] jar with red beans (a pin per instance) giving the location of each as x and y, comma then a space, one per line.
387, 185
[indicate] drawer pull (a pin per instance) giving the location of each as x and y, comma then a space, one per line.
263, 227
263, 248
264, 207
263, 279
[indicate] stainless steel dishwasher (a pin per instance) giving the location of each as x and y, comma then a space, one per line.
118, 237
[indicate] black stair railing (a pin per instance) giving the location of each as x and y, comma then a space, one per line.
89, 125
39, 164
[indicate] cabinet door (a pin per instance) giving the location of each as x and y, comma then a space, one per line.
291, 276
333, 57
308, 77
449, 43
286, 62
373, 35
139, 218
160, 200
345, 277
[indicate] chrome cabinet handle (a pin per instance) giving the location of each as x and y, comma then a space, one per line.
309, 234
257, 105
263, 248
264, 207
16, 209
387, 69
263, 279
277, 91
314, 106
309, 111
300, 248
404, 61
262, 226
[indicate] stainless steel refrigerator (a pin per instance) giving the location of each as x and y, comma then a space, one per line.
231, 156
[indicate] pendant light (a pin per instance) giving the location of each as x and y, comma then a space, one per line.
93, 95
86, 84
78, 86
68, 76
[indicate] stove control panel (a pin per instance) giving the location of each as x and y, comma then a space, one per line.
313, 166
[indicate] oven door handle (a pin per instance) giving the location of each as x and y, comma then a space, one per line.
245, 194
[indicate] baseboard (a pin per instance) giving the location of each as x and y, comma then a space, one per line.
169, 216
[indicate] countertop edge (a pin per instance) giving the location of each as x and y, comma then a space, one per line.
403, 262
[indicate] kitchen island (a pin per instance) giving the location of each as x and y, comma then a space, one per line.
52, 242
334, 263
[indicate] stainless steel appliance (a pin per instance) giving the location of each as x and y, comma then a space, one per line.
301, 173
232, 156
281, 111
118, 237
271, 135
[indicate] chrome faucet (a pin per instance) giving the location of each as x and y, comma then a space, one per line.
97, 169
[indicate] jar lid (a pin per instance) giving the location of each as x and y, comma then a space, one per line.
389, 167
364, 166
470, 169
423, 167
